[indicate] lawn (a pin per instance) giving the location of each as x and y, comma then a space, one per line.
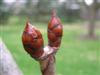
75, 57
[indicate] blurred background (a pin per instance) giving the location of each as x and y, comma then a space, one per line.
79, 53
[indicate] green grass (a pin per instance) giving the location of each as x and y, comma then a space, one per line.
75, 56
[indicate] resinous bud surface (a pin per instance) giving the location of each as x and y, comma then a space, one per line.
55, 31
32, 41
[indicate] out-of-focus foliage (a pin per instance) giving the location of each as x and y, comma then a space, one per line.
68, 12
4, 13
39, 10
43, 8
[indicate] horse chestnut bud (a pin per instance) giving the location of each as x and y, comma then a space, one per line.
32, 41
55, 31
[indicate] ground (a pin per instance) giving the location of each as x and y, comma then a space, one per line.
76, 56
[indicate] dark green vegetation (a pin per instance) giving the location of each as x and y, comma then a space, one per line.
75, 57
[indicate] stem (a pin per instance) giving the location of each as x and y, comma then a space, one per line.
48, 65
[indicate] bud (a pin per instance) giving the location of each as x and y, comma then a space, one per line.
55, 31
32, 41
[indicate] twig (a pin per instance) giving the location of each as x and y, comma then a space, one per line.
34, 45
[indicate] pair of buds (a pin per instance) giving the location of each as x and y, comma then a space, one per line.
33, 42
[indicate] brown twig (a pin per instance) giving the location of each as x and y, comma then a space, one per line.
48, 65
47, 61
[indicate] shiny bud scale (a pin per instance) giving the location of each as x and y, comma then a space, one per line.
32, 41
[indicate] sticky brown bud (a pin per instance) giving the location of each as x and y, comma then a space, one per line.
32, 41
55, 31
